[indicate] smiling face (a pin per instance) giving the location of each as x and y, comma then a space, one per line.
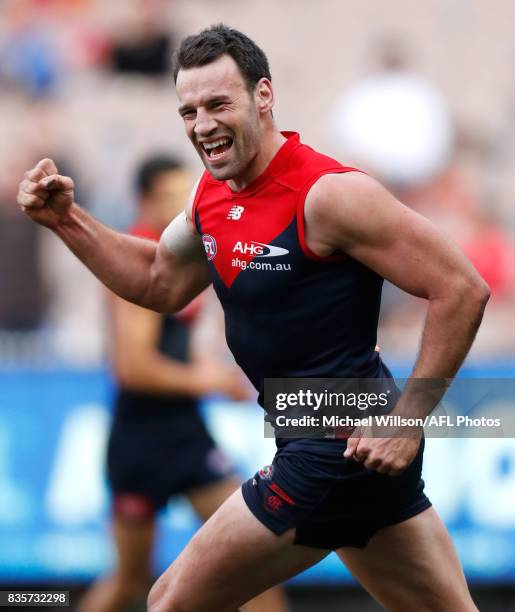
223, 120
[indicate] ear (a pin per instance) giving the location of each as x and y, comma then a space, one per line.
264, 95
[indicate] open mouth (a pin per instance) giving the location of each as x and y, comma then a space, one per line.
217, 149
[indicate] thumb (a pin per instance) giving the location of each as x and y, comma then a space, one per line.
352, 443
57, 182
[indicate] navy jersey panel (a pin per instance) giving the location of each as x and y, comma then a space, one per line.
331, 501
317, 319
287, 313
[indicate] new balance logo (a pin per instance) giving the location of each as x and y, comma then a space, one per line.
235, 213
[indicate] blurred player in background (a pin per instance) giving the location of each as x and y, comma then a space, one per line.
159, 446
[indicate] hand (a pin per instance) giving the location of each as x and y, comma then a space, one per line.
44, 195
384, 455
224, 379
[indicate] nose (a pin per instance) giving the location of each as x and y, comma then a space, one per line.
204, 124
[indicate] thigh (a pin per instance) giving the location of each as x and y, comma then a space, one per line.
412, 565
231, 559
207, 499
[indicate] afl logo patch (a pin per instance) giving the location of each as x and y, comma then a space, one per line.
209, 245
266, 472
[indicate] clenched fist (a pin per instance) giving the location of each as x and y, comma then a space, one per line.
390, 455
44, 195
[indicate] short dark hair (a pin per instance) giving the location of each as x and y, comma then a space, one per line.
151, 168
217, 40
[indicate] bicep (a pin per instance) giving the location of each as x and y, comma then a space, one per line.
407, 249
369, 224
180, 271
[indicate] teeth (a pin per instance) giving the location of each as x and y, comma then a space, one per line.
216, 143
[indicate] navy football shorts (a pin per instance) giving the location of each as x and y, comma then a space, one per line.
147, 464
331, 501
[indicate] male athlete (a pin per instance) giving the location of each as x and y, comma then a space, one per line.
266, 198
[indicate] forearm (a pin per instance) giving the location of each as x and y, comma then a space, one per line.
450, 328
449, 331
160, 375
119, 261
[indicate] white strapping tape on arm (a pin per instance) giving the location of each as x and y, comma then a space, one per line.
180, 239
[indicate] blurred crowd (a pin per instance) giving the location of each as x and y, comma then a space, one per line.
421, 98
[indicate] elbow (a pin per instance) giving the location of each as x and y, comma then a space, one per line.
162, 306
465, 292
129, 375
169, 305
473, 292
173, 304
161, 297
124, 376
480, 292
170, 300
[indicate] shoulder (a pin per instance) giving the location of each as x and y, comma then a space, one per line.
335, 193
349, 184
343, 208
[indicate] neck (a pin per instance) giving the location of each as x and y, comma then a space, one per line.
271, 142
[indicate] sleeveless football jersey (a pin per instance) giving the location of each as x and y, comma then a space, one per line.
288, 312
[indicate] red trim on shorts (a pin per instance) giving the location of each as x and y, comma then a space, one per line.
133, 507
282, 494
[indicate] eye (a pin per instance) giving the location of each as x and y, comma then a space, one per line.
189, 114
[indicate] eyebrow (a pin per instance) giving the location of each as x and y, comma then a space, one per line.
184, 107
214, 99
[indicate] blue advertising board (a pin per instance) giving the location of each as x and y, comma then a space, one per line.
54, 503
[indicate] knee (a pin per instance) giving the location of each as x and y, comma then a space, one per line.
164, 597
156, 596
165, 603
170, 592
172, 599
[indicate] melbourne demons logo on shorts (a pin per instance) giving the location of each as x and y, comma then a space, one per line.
209, 245
273, 503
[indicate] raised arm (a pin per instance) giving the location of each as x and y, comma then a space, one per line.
353, 213
162, 277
